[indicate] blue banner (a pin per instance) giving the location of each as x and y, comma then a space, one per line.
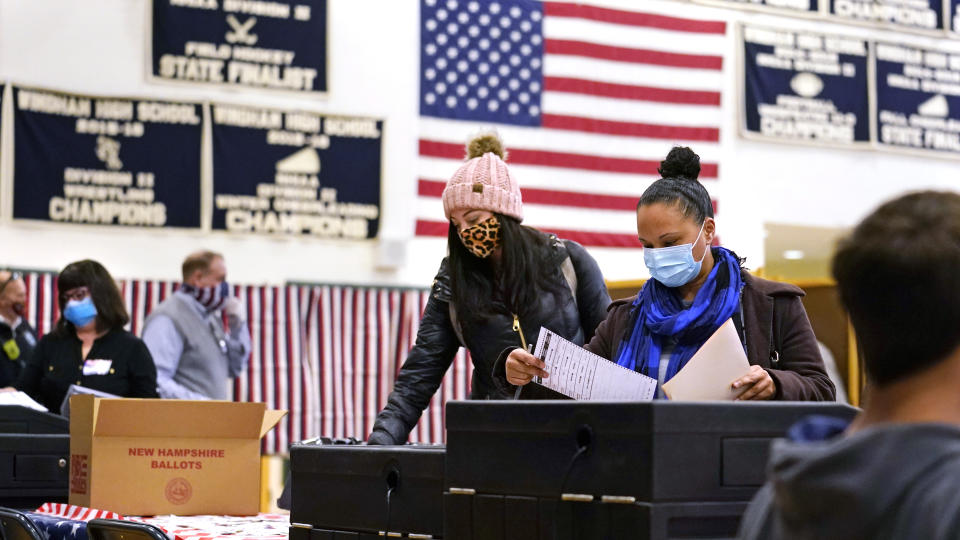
106, 161
953, 23
918, 98
3, 90
296, 173
906, 14
802, 86
251, 43
812, 6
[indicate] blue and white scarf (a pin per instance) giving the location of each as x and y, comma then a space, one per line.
661, 317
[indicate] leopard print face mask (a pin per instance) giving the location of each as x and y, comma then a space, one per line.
483, 238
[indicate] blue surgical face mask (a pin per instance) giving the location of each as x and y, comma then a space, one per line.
674, 266
80, 312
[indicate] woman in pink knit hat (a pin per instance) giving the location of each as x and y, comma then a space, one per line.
499, 284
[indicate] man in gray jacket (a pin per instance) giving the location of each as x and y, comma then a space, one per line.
194, 354
894, 472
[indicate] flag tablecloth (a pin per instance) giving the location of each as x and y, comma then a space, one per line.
67, 522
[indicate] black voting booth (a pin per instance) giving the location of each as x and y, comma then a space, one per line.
359, 491
550, 470
590, 470
34, 457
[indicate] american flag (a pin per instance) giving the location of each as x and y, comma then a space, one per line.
588, 100
76, 513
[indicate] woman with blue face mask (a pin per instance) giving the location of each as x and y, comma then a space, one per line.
694, 289
89, 346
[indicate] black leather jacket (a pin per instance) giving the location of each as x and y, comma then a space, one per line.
437, 342
26, 339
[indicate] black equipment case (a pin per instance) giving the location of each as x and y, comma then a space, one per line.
358, 491
34, 457
585, 470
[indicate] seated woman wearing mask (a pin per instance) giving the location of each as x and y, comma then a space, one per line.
694, 290
500, 283
89, 346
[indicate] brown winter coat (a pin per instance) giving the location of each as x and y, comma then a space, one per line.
798, 374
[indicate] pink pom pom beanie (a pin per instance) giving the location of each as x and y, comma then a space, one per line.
483, 183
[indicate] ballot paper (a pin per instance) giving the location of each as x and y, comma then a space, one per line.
709, 373
578, 373
21, 399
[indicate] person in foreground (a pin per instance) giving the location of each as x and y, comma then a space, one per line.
893, 473
499, 284
89, 346
694, 290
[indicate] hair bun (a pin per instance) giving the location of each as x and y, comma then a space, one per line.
681, 162
485, 143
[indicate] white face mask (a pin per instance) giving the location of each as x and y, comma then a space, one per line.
674, 266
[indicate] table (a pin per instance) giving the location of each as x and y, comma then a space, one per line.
68, 522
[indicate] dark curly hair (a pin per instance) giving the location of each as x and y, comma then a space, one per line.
679, 185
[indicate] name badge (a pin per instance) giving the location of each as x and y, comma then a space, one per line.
12, 349
97, 367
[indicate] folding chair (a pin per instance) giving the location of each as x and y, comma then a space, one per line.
115, 529
15, 525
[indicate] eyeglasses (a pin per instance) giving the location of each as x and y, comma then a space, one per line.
78, 293
13, 277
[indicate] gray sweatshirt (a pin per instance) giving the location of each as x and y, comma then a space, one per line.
887, 482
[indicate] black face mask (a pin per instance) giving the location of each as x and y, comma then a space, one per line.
16, 307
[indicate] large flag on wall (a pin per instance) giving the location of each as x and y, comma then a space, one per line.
588, 100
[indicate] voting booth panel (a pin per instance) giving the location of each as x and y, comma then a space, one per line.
17, 419
368, 489
655, 451
496, 517
657, 468
551, 469
298, 532
34, 457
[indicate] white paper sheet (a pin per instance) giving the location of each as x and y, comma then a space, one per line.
21, 399
580, 374
709, 373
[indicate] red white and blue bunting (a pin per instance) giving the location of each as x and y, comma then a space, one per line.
327, 354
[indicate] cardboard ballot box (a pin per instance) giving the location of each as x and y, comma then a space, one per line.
152, 456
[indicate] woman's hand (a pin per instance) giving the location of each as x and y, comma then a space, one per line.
7, 389
757, 385
522, 367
